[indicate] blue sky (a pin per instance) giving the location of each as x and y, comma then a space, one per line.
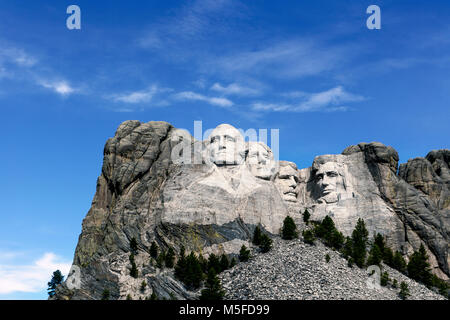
311, 69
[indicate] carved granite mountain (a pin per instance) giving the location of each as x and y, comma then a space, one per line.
160, 184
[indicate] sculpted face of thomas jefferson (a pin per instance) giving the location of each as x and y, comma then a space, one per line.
260, 160
227, 146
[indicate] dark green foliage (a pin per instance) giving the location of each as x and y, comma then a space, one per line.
233, 262
327, 258
161, 259
224, 263
375, 255
379, 241
350, 262
172, 296
395, 284
306, 216
56, 279
180, 267
441, 285
257, 236
388, 256
327, 231
169, 258
214, 262
359, 239
266, 243
153, 296
289, 230
143, 286
133, 270
419, 268
133, 246
325, 228
193, 274
129, 297
154, 250
398, 262
404, 290
384, 280
203, 263
308, 237
105, 294
213, 290
347, 248
244, 254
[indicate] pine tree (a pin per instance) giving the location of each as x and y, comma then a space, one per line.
233, 262
133, 245
308, 237
289, 230
154, 250
105, 294
224, 263
348, 247
327, 258
133, 270
359, 239
404, 291
419, 268
213, 290
336, 240
129, 297
244, 254
306, 216
153, 296
325, 228
194, 273
388, 256
257, 236
375, 255
266, 243
169, 258
56, 279
214, 262
398, 262
379, 241
161, 259
180, 267
143, 286
384, 280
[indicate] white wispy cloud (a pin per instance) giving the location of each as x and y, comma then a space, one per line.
30, 277
287, 59
234, 89
136, 96
60, 87
332, 100
217, 101
16, 56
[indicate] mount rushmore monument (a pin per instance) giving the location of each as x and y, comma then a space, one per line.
160, 184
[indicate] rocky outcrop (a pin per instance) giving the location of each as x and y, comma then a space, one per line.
362, 182
160, 184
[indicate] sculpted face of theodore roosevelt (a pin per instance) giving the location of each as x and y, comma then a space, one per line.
260, 160
227, 145
287, 180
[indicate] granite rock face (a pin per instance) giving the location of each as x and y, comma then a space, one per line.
160, 184
362, 182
